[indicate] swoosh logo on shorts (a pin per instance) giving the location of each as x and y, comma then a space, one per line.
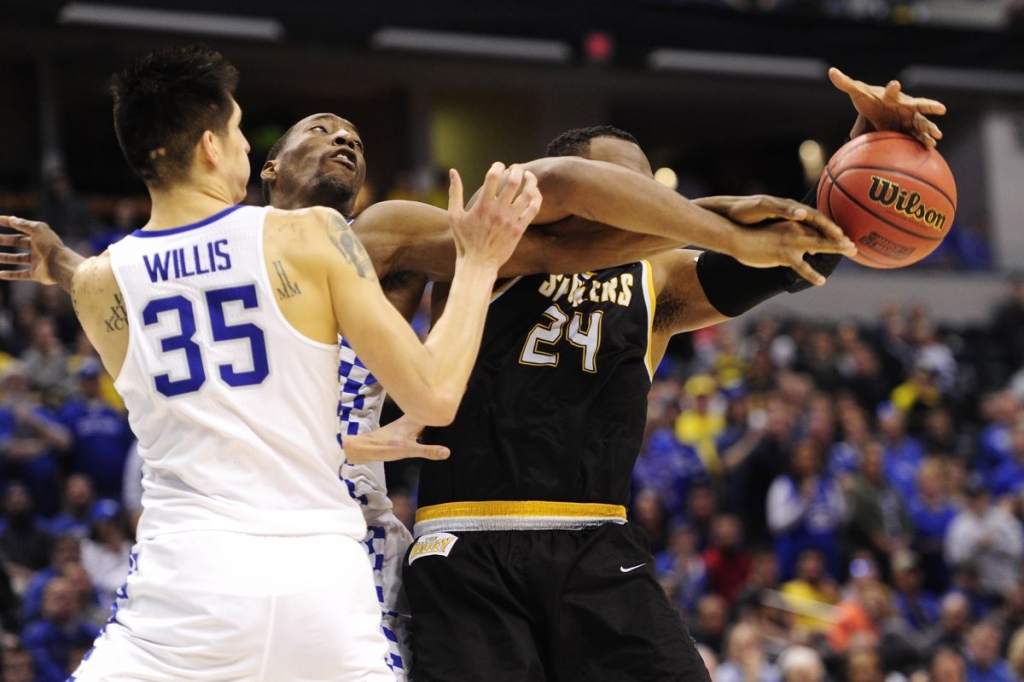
631, 568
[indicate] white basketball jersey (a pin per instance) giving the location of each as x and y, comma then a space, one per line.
233, 408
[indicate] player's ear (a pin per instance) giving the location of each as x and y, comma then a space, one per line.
269, 172
208, 146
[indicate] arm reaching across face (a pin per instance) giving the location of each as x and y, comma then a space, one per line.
626, 199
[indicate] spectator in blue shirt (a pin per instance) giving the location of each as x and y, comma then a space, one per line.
670, 469
52, 638
1008, 478
30, 437
66, 549
984, 664
920, 609
78, 501
931, 511
805, 509
903, 453
101, 436
999, 411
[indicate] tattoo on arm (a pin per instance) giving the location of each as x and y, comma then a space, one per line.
288, 289
118, 320
351, 248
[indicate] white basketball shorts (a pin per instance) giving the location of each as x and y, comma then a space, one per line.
214, 606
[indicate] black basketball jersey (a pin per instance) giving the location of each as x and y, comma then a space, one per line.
557, 402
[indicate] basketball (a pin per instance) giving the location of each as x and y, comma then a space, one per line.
894, 198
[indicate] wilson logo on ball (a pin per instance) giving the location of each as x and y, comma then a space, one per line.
889, 194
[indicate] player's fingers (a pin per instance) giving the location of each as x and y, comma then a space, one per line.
19, 224
15, 258
16, 240
532, 209
928, 128
513, 183
455, 199
892, 90
492, 180
819, 244
438, 452
804, 269
926, 106
828, 231
778, 208
421, 451
841, 80
526, 195
14, 275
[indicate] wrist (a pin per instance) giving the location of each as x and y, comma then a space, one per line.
733, 288
731, 239
473, 267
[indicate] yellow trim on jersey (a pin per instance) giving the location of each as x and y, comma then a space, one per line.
651, 296
520, 509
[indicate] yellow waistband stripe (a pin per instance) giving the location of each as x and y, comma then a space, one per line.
521, 509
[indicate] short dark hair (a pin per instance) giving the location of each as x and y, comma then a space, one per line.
164, 101
274, 152
576, 142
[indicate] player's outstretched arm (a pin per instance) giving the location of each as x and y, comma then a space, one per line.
697, 289
391, 442
407, 236
427, 380
45, 257
629, 200
889, 108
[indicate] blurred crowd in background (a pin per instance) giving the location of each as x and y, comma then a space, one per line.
839, 502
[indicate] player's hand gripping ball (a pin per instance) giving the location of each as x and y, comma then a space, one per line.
893, 196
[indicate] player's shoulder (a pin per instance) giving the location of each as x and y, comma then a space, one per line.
93, 283
301, 231
301, 218
96, 270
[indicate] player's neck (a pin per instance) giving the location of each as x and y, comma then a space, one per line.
185, 204
293, 203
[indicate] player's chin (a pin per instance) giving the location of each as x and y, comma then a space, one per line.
340, 181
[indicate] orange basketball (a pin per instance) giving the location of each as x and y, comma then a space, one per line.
893, 196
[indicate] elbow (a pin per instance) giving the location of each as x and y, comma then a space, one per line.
437, 408
560, 179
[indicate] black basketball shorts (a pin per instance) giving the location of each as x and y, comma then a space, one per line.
548, 605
